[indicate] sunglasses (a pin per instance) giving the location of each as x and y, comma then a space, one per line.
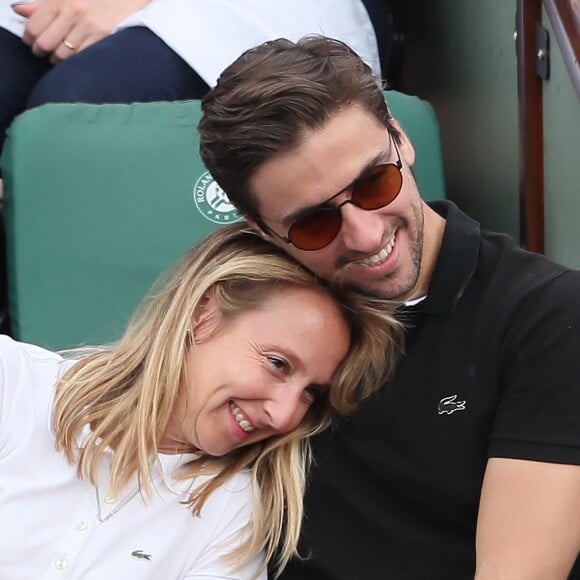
318, 227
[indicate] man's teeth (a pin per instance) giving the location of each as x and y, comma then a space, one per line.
240, 419
380, 256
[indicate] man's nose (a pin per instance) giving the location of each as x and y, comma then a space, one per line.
362, 230
285, 410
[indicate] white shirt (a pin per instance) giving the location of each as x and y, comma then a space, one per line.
9, 19
210, 34
55, 526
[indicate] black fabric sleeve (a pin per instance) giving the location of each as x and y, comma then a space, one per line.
538, 417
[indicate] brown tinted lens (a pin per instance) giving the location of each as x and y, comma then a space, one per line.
379, 188
315, 230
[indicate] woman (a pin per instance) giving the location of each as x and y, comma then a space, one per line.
203, 406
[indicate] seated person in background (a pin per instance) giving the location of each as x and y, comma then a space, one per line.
204, 406
123, 51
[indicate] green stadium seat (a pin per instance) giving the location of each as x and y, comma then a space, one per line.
99, 199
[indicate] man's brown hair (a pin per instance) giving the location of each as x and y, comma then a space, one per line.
266, 101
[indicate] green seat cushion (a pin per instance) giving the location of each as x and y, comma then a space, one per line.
99, 199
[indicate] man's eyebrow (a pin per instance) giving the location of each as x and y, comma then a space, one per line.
368, 167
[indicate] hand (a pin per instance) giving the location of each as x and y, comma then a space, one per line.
60, 28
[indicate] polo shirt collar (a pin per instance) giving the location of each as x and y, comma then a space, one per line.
170, 466
163, 466
456, 261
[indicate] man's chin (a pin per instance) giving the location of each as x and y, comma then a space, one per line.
390, 287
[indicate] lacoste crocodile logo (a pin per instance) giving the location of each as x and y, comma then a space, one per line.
449, 405
140, 555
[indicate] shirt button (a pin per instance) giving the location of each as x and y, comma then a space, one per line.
61, 563
109, 499
81, 526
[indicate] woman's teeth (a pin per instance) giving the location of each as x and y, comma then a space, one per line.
241, 420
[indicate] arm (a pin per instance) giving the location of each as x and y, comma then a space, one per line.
529, 520
79, 22
529, 515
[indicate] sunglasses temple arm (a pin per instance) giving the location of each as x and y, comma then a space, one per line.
269, 231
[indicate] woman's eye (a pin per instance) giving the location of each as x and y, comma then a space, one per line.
278, 363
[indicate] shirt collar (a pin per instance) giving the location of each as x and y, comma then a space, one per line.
456, 261
169, 466
165, 467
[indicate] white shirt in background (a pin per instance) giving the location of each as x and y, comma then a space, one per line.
210, 34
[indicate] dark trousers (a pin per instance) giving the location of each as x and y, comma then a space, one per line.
379, 12
130, 66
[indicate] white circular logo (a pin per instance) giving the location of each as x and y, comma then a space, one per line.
212, 201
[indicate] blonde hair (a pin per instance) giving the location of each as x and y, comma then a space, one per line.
126, 393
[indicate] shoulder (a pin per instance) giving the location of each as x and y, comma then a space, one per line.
501, 250
15, 357
10, 346
28, 374
517, 274
230, 506
236, 491
241, 482
228, 520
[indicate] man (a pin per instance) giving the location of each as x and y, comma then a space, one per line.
466, 465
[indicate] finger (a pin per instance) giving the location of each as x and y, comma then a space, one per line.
70, 46
25, 10
78, 39
53, 36
63, 52
39, 21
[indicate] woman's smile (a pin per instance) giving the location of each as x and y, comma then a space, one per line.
241, 419
255, 374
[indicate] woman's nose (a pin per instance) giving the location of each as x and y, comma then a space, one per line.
286, 409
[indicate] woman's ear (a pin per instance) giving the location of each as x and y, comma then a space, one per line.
205, 318
405, 145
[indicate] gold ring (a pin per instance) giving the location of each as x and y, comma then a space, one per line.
69, 45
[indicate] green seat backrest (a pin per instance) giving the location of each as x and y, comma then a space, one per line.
418, 120
99, 199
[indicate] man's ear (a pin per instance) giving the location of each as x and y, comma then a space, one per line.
405, 145
258, 227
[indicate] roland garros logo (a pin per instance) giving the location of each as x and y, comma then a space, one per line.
212, 202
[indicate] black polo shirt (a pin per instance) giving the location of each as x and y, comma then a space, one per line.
492, 370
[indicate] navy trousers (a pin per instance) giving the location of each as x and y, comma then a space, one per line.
133, 65
130, 66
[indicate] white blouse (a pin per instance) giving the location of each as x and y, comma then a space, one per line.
55, 526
